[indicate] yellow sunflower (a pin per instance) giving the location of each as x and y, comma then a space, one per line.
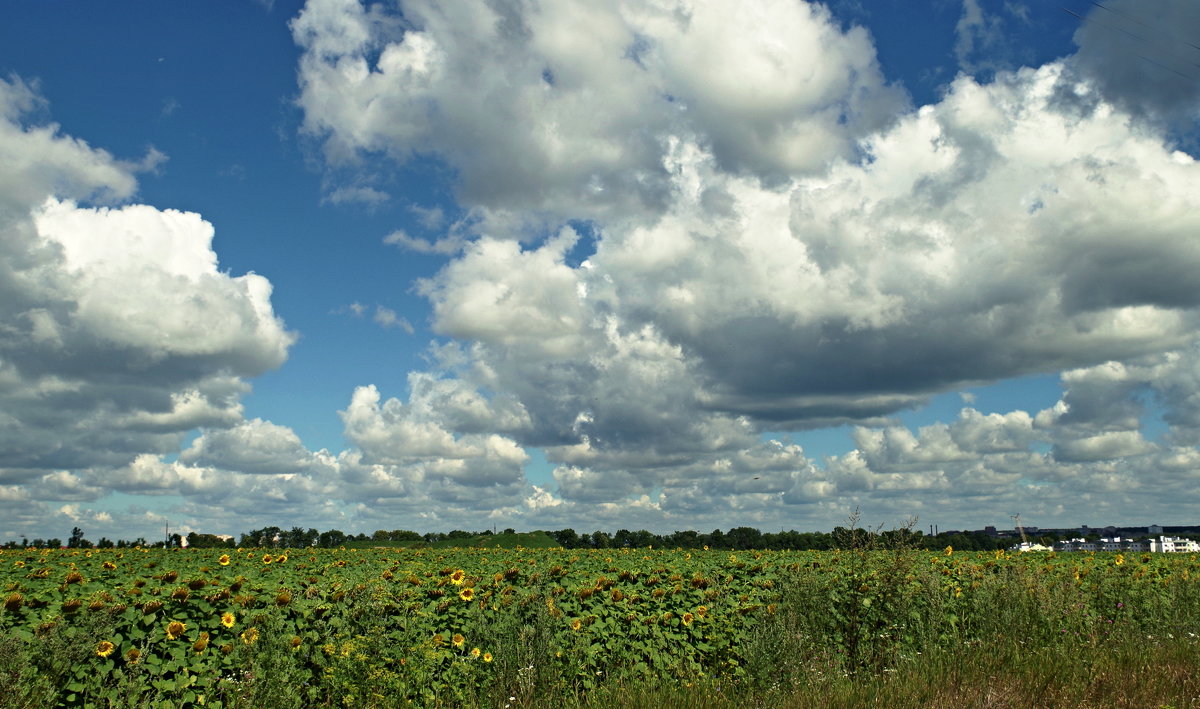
688, 618
104, 648
132, 655
475, 652
250, 636
201, 644
466, 594
267, 558
576, 624
487, 657
175, 629
224, 560
456, 578
228, 619
458, 640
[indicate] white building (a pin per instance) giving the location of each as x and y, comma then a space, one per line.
1173, 544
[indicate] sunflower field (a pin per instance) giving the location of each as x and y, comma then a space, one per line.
493, 627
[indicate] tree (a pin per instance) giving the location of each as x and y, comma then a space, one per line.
77, 541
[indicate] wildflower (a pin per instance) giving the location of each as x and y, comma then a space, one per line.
175, 629
487, 657
228, 619
104, 648
456, 578
224, 560
250, 636
458, 640
466, 594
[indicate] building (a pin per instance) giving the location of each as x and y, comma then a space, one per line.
1171, 545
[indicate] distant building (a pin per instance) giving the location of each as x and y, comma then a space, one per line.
1173, 544
1162, 544
1154, 530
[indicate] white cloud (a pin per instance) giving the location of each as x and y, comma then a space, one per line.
118, 333
535, 119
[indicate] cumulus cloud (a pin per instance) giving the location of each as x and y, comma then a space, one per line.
118, 332
1143, 57
780, 244
532, 118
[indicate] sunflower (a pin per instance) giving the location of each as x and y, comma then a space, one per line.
132, 655
296, 641
487, 657
438, 639
475, 652
267, 558
457, 577
175, 629
576, 624
228, 619
250, 636
224, 560
701, 611
104, 648
688, 618
281, 558
458, 640
466, 594
109, 566
202, 644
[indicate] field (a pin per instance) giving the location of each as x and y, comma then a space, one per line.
553, 627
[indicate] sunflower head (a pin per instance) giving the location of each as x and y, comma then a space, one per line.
267, 558
688, 618
466, 594
104, 648
109, 566
456, 578
175, 629
487, 657
202, 644
250, 636
133, 655
458, 640
224, 560
228, 619
475, 652
576, 624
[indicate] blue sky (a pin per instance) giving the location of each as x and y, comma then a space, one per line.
599, 265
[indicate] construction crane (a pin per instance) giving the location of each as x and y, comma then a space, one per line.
1016, 518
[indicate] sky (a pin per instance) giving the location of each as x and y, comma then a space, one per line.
641, 264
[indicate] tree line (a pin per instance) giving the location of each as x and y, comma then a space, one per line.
736, 538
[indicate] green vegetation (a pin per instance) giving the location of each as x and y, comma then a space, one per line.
552, 627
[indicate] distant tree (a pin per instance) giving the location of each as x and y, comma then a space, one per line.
54, 543
76, 541
566, 538
332, 538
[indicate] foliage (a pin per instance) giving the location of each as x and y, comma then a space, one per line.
495, 627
